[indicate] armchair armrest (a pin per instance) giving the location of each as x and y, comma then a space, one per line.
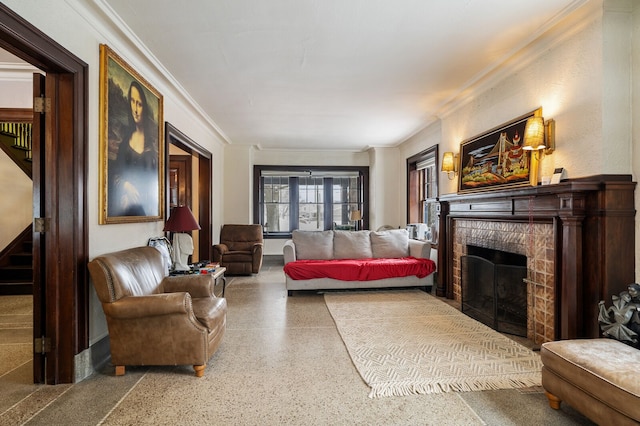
289, 251
196, 285
218, 251
256, 249
132, 307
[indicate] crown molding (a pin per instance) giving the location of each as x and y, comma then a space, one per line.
128, 45
570, 21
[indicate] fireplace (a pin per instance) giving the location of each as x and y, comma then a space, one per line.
578, 237
493, 289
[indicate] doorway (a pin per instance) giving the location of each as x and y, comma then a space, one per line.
60, 247
202, 192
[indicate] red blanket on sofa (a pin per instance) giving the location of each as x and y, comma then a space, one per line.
359, 269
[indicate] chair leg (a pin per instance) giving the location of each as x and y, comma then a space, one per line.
554, 401
119, 370
199, 369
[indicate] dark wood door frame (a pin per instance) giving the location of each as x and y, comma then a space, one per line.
61, 295
175, 137
180, 169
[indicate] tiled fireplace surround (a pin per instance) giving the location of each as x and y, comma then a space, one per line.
536, 242
578, 237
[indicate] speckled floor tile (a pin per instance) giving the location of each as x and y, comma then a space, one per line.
281, 361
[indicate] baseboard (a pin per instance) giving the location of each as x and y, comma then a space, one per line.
272, 259
92, 359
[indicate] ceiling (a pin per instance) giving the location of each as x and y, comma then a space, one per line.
331, 74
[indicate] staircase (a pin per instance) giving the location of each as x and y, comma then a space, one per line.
15, 141
16, 265
16, 260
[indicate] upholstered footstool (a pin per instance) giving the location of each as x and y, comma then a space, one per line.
598, 377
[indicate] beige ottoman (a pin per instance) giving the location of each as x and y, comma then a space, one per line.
598, 377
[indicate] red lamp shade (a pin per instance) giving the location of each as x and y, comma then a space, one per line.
181, 220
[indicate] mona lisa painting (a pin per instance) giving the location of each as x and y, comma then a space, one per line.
131, 144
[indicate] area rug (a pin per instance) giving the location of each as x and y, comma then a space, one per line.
405, 342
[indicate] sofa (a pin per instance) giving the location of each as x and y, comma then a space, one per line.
324, 260
155, 319
240, 249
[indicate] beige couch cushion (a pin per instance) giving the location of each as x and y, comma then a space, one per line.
313, 244
388, 244
352, 245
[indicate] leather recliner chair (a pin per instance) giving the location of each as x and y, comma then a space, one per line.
154, 319
240, 249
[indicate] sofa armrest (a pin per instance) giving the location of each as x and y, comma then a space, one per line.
289, 251
196, 285
256, 249
133, 307
419, 248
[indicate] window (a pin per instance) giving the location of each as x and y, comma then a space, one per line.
422, 187
309, 198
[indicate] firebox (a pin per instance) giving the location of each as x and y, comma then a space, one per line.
493, 290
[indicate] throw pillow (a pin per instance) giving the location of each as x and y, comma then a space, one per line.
316, 245
390, 244
352, 245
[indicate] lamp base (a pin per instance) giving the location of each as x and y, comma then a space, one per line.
182, 249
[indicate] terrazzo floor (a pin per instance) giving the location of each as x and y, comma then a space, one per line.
280, 362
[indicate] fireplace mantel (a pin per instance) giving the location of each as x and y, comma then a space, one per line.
594, 231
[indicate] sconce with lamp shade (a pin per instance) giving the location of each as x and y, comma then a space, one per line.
539, 137
450, 164
181, 221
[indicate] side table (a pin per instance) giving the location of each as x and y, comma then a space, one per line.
219, 274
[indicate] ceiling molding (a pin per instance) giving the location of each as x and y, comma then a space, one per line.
125, 42
573, 21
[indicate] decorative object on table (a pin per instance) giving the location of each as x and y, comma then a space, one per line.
180, 222
621, 321
405, 342
131, 144
558, 175
498, 159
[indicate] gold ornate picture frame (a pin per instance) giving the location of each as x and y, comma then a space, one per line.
131, 144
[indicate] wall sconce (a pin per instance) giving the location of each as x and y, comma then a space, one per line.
450, 164
539, 135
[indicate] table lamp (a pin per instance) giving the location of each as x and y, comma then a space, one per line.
180, 222
355, 216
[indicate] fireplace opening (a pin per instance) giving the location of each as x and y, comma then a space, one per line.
493, 290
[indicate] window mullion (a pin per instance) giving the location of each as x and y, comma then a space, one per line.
294, 203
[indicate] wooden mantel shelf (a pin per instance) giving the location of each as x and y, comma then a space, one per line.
594, 224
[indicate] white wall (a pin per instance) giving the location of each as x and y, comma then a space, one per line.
16, 199
581, 74
563, 74
80, 27
387, 201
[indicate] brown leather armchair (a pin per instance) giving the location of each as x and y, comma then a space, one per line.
240, 249
154, 319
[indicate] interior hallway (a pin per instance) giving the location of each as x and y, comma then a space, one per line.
280, 362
